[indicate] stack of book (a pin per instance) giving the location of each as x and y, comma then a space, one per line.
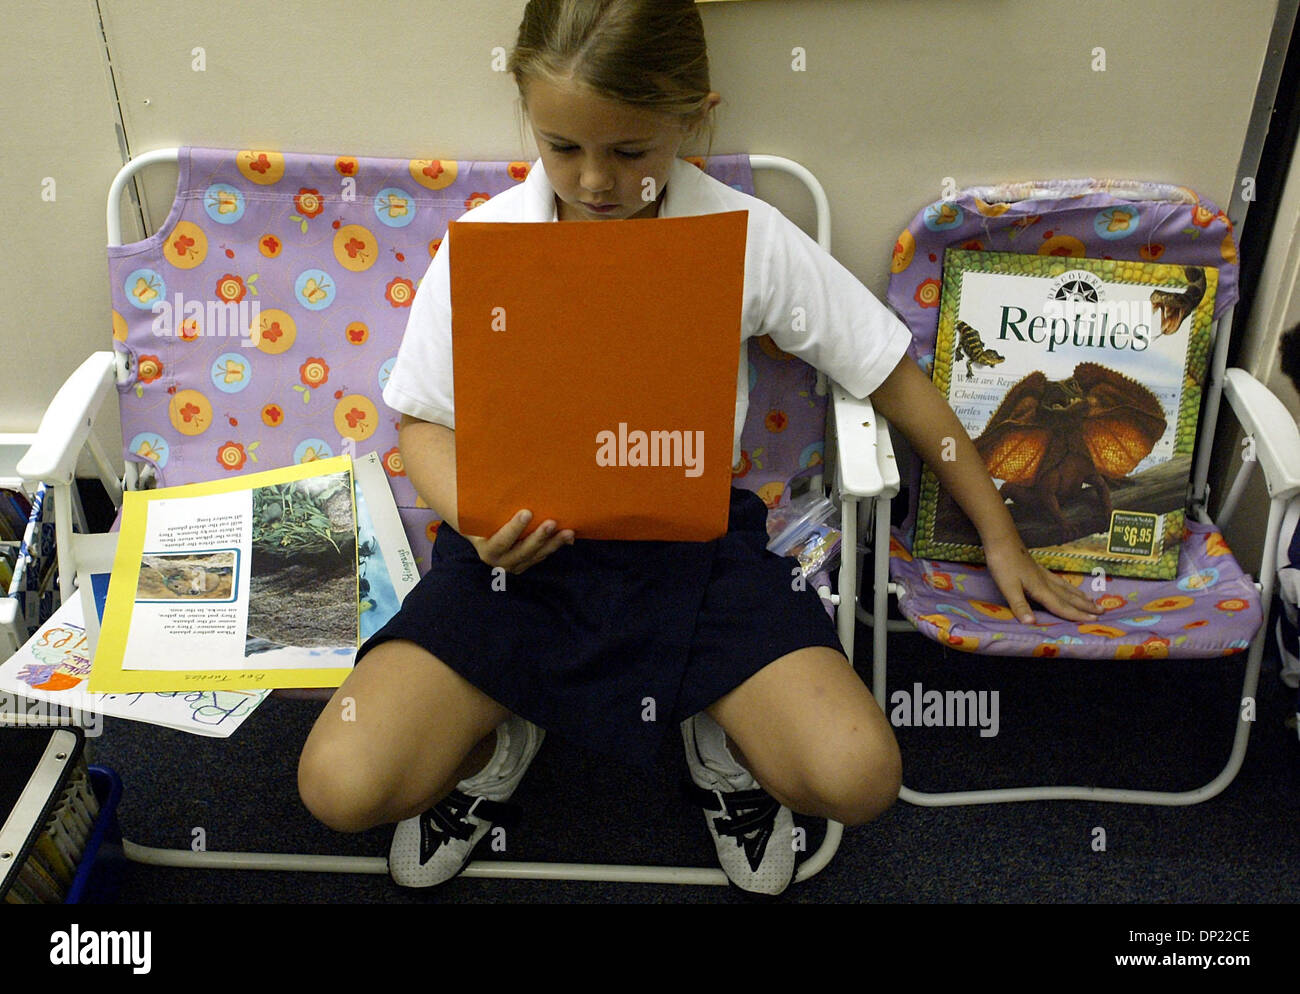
15, 509
49, 811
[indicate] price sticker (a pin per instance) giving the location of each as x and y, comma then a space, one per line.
1133, 533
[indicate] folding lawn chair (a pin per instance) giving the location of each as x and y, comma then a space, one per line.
329, 249
1212, 608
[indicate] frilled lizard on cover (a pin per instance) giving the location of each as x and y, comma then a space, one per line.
1050, 437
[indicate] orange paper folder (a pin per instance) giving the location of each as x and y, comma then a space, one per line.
595, 373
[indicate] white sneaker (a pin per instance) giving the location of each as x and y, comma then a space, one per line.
753, 832
433, 847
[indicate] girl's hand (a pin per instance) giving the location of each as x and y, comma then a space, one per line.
505, 549
1018, 576
909, 401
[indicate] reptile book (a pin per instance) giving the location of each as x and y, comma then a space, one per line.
1079, 381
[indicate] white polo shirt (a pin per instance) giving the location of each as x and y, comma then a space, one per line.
811, 305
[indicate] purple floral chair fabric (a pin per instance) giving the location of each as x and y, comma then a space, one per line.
1212, 608
257, 328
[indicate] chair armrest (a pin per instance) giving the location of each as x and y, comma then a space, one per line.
886, 461
865, 455
68, 420
1267, 420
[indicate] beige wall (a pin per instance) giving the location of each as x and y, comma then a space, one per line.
896, 96
57, 124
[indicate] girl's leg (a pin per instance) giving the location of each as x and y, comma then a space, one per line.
813, 736
395, 738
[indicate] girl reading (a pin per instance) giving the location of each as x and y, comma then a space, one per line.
448, 698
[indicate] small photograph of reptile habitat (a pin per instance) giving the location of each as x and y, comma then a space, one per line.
303, 574
187, 576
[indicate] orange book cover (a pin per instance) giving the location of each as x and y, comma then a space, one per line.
595, 372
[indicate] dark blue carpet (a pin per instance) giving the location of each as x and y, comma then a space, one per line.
1163, 725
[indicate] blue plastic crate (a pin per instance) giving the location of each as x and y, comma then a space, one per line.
99, 873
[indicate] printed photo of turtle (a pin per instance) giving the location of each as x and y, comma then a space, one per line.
303, 570
187, 576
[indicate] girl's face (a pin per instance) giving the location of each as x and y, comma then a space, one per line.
606, 160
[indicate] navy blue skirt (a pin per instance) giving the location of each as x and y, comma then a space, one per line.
612, 644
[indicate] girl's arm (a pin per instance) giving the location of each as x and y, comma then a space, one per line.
429, 457
909, 400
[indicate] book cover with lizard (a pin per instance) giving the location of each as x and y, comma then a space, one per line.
1079, 380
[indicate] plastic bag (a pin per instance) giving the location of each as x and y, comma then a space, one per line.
805, 528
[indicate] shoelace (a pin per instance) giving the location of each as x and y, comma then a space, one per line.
746, 811
748, 817
449, 819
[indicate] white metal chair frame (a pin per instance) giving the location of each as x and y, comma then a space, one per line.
67, 429
1276, 442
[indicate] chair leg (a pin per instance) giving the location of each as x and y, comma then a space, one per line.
880, 602
1211, 789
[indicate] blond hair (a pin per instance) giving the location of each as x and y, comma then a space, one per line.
649, 54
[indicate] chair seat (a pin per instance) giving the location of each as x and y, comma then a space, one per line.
1211, 609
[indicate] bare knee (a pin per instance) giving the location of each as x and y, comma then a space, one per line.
852, 781
386, 747
336, 787
350, 785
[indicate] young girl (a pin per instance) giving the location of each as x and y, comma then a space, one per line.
773, 715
